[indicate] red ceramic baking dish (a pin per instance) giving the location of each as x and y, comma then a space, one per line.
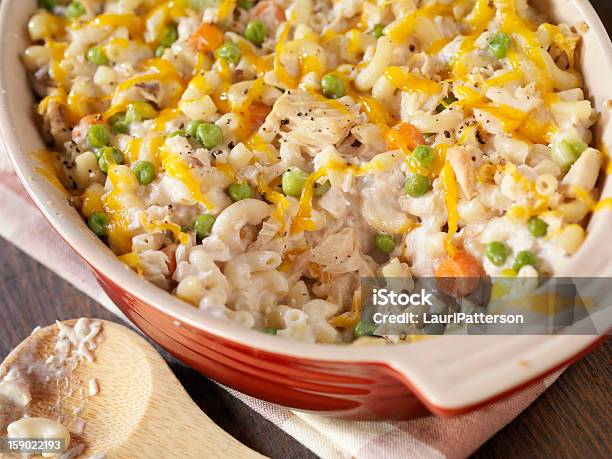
443, 375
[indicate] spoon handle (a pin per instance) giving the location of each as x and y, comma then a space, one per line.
172, 425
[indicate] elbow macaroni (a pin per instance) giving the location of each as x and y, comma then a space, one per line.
275, 165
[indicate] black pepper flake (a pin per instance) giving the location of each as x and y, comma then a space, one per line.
412, 48
479, 138
231, 145
284, 121
447, 134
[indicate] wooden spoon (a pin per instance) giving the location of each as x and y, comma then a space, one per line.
141, 410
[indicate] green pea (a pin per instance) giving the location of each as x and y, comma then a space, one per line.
192, 127
203, 225
98, 136
239, 191
97, 222
256, 32
424, 155
578, 146
75, 9
210, 135
108, 156
524, 258
118, 124
270, 331
98, 153
169, 36
384, 242
497, 252
321, 188
332, 86
178, 133
160, 50
145, 172
47, 4
499, 44
378, 30
230, 52
537, 227
364, 329
445, 103
97, 56
565, 153
139, 111
293, 182
245, 4
416, 185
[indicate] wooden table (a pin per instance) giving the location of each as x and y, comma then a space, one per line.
571, 419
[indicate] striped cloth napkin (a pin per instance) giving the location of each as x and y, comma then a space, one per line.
428, 437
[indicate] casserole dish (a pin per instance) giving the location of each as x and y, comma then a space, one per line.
445, 375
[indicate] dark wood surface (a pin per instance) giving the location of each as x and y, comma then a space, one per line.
570, 420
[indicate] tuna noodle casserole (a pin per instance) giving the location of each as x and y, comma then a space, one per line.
257, 159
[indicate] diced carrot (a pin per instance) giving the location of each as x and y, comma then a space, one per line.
80, 130
459, 275
270, 13
206, 38
170, 251
257, 114
410, 136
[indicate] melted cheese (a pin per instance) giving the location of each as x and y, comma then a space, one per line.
282, 203
165, 116
451, 195
225, 9
512, 121
563, 42
156, 70
56, 72
132, 260
134, 24
177, 168
406, 81
49, 169
254, 92
261, 64
303, 220
92, 200
480, 16
279, 69
401, 29
604, 204
159, 226
119, 234
513, 25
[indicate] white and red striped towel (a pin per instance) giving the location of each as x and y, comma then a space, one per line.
329, 438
